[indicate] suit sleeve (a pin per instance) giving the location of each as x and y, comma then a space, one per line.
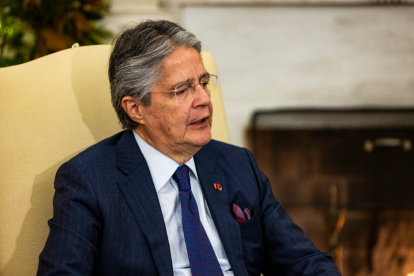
288, 251
72, 245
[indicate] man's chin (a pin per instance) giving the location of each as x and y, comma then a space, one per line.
201, 140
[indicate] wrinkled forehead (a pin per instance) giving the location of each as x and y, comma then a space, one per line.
182, 65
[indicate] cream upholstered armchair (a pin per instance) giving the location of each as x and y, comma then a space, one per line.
51, 109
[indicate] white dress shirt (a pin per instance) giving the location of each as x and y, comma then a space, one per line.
162, 169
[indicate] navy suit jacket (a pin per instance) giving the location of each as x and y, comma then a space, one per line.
107, 219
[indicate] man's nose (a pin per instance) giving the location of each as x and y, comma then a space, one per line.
201, 96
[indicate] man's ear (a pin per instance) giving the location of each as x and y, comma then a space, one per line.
134, 108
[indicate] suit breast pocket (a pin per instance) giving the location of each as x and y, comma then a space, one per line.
252, 239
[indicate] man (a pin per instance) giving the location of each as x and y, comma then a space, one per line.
162, 198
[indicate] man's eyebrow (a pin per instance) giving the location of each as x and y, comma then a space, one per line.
189, 80
174, 86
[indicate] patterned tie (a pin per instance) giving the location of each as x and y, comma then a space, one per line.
203, 260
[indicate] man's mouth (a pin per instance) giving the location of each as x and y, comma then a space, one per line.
201, 121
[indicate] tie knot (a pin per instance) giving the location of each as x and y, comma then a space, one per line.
182, 177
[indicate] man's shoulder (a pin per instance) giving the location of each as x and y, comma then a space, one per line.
219, 150
105, 144
222, 146
102, 149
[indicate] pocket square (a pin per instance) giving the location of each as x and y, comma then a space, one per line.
247, 213
241, 216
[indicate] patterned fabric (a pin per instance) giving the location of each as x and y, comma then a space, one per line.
239, 213
203, 260
247, 213
241, 216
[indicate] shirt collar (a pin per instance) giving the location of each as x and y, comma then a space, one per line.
161, 166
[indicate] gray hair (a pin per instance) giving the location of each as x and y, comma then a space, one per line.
135, 64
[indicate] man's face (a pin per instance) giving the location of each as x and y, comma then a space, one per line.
178, 126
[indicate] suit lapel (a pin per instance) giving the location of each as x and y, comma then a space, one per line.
140, 194
220, 208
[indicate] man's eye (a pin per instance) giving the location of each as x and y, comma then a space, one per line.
204, 81
182, 90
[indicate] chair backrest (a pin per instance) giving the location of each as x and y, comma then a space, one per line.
51, 109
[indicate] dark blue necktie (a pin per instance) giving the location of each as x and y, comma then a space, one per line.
203, 260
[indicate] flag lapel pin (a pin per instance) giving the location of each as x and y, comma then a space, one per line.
218, 186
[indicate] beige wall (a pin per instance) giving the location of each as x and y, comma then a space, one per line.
129, 12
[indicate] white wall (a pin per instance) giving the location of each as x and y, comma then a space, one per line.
307, 56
